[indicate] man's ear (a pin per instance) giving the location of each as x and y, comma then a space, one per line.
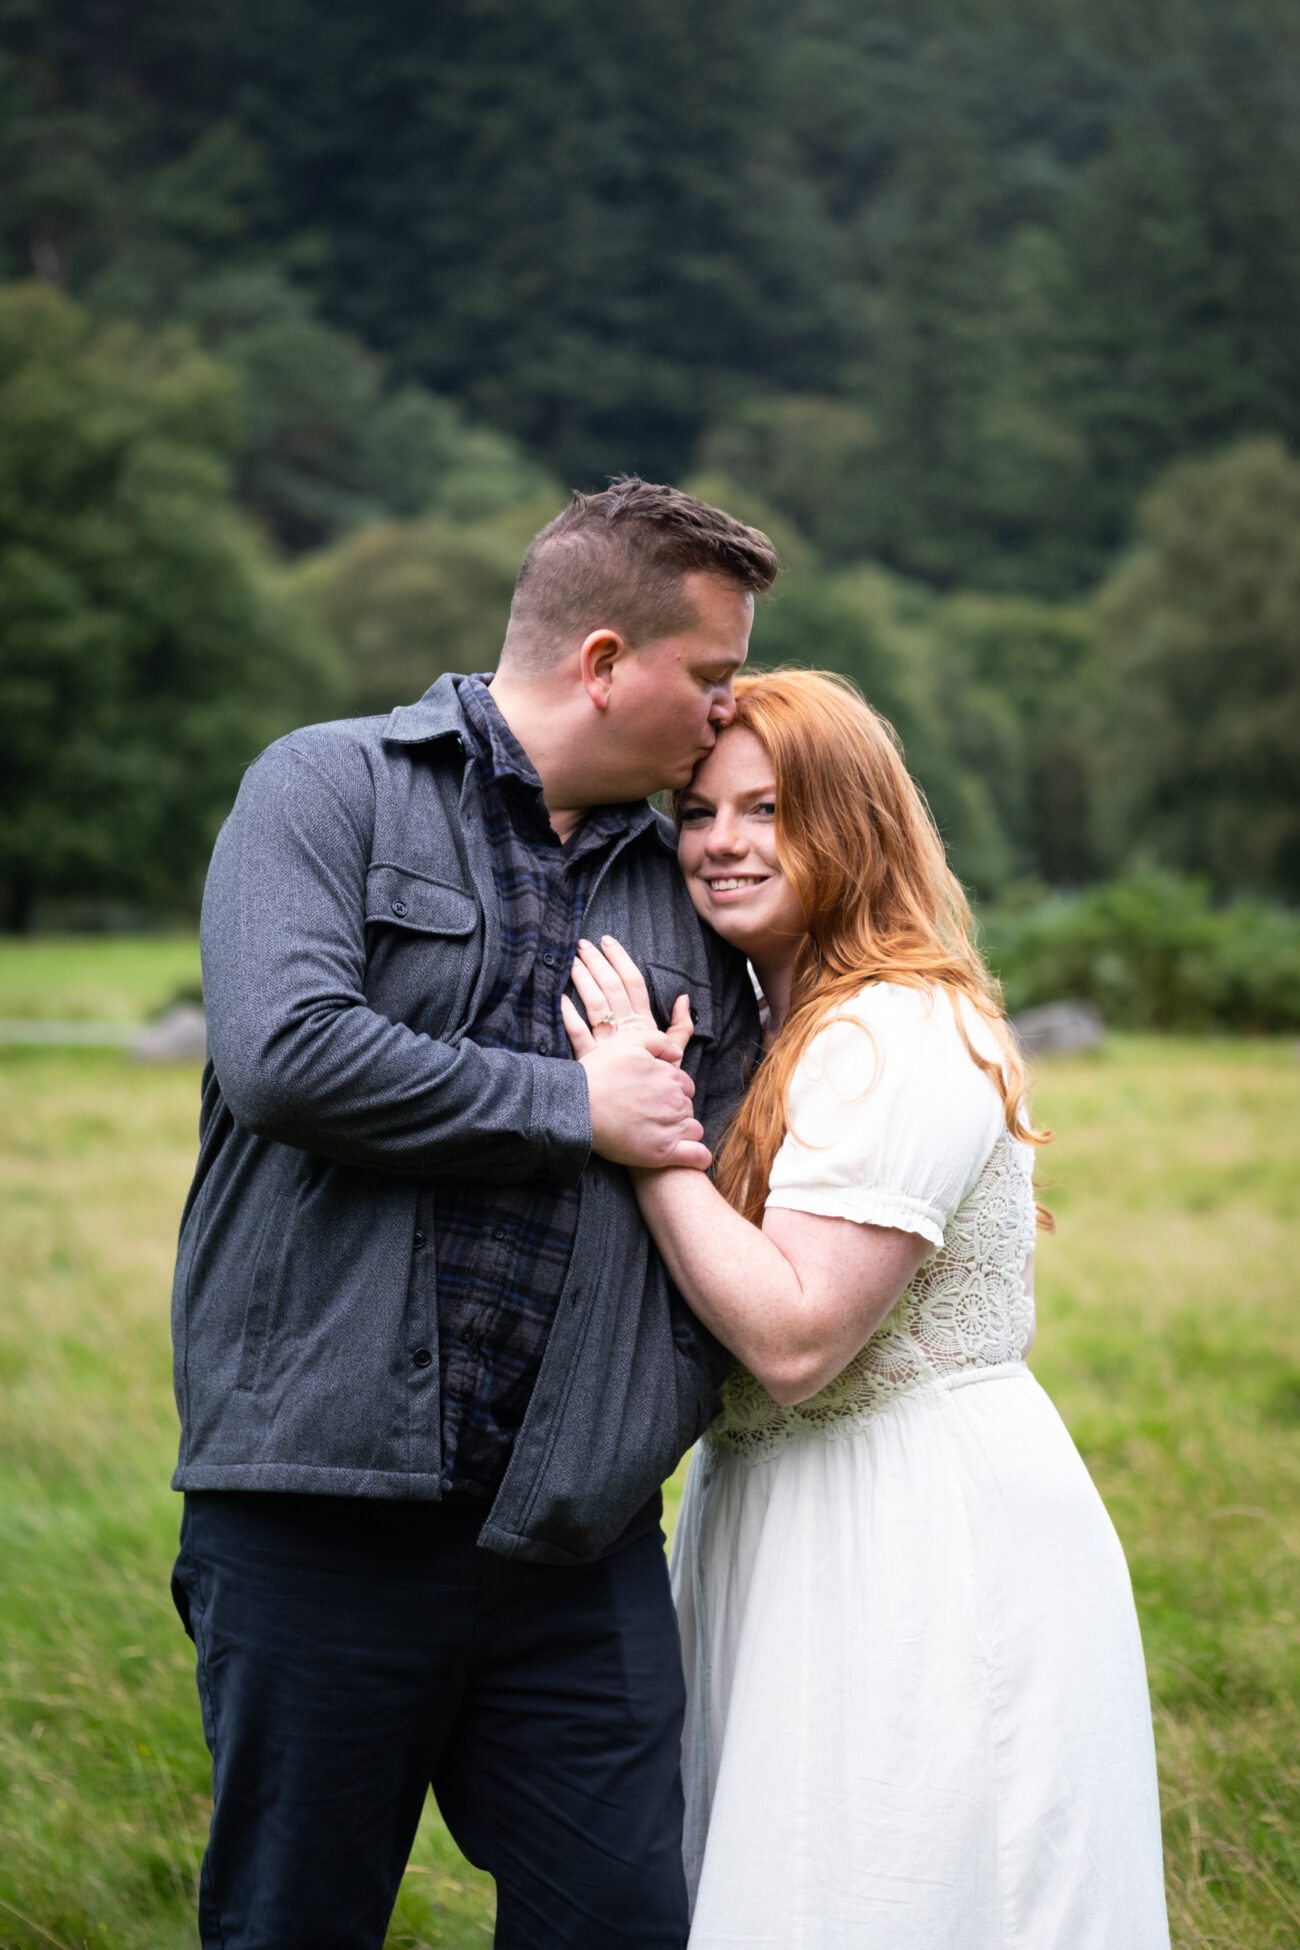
601, 652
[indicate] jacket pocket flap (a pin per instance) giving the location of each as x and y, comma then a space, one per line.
666, 984
404, 899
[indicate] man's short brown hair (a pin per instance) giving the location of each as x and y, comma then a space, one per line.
617, 560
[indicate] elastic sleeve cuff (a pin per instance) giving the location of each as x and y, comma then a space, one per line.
561, 1118
865, 1207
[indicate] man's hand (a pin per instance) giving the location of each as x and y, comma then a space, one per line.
640, 1097
640, 1105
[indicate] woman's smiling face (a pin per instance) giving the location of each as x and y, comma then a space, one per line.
727, 850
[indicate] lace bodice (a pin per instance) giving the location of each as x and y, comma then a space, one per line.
970, 1306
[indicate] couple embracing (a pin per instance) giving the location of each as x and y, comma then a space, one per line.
507, 1194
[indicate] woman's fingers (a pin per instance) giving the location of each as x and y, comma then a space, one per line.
578, 1033
590, 993
680, 1026
628, 973
612, 986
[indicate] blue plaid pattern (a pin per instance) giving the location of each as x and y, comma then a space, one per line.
503, 1251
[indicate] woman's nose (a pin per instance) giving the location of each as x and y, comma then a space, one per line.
725, 836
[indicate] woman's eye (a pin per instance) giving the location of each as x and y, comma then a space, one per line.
694, 816
766, 808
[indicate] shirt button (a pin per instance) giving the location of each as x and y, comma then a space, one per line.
399, 907
543, 1046
422, 1357
418, 1242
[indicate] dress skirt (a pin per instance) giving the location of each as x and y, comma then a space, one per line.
918, 1712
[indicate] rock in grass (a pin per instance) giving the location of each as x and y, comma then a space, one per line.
178, 1036
1058, 1029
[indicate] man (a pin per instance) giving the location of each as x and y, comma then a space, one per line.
431, 1372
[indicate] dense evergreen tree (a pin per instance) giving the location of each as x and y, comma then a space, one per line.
1041, 248
145, 655
938, 291
1200, 639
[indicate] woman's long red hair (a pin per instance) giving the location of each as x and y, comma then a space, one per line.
880, 904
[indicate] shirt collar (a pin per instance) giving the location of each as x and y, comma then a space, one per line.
505, 758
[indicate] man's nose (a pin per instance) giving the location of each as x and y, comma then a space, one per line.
722, 711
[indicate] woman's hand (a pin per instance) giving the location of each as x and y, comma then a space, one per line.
617, 1002
639, 1095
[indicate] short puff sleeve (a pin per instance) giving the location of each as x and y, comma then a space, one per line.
889, 1122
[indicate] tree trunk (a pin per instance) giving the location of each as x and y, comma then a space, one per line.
17, 904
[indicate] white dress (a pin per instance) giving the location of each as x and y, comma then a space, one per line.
918, 1713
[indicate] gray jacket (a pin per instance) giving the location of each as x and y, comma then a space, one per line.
349, 935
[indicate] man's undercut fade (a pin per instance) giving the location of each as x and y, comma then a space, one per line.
617, 560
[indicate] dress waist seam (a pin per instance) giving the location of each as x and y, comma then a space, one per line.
966, 1377
762, 1443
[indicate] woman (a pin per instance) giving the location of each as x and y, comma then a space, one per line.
918, 1715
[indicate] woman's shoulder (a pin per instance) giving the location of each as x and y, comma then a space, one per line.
887, 1106
926, 1021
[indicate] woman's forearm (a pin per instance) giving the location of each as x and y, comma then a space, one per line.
794, 1302
740, 1284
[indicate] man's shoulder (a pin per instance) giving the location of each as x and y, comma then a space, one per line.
331, 742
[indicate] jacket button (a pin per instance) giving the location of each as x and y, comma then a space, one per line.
422, 1357
399, 907
548, 961
418, 1242
498, 1232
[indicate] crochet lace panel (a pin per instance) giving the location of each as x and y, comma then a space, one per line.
970, 1306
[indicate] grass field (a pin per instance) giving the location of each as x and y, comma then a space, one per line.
1169, 1337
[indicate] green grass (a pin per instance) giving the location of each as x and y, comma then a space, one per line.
109, 978
1169, 1337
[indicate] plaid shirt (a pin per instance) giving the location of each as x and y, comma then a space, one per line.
503, 1250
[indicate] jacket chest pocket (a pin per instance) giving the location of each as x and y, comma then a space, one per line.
424, 948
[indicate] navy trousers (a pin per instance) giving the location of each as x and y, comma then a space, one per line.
352, 1653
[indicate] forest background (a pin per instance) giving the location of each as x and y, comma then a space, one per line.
988, 309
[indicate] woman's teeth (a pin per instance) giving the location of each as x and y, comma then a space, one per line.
730, 886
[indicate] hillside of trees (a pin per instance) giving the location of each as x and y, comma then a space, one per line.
989, 309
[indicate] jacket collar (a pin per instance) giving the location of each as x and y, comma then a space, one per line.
437, 714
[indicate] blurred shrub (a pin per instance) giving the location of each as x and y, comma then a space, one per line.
1152, 953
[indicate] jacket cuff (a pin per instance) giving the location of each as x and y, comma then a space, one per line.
561, 1118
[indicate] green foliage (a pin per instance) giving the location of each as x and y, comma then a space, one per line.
1200, 641
1034, 663
1151, 953
326, 445
811, 458
1013, 261
938, 290
145, 651
406, 600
